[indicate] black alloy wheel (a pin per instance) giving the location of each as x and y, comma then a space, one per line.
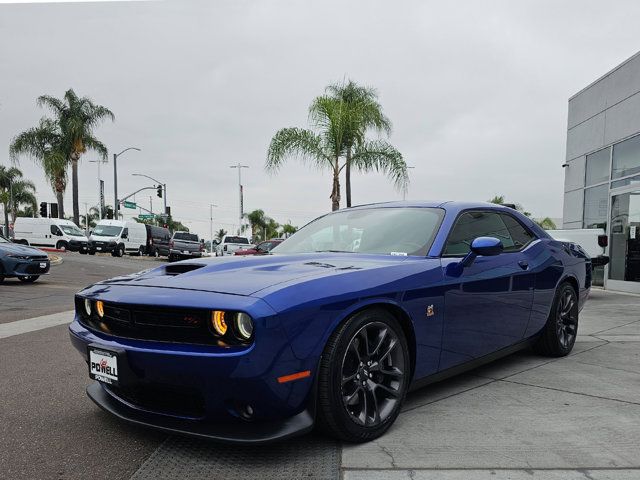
363, 377
560, 332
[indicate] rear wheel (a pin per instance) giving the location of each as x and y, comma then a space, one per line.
363, 377
29, 278
140, 251
92, 252
559, 334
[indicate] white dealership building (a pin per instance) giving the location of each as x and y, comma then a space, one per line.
602, 168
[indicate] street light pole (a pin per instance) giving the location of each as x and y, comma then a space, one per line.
239, 166
100, 191
115, 180
211, 205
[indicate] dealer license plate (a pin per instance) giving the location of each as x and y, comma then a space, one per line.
43, 265
103, 365
98, 248
186, 252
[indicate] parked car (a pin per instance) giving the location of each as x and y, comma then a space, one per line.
22, 262
118, 237
50, 232
230, 243
158, 239
592, 240
263, 248
184, 245
262, 348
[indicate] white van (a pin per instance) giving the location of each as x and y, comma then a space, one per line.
118, 237
50, 232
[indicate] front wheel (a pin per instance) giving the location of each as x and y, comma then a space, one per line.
363, 377
29, 278
62, 245
118, 251
559, 334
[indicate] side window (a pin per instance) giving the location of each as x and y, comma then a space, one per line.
125, 233
471, 225
55, 231
521, 235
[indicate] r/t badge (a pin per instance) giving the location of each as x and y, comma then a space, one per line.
430, 311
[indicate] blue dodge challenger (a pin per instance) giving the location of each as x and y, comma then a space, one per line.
334, 327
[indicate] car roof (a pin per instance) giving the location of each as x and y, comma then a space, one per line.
448, 205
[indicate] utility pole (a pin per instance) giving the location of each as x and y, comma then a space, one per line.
239, 166
211, 205
151, 203
100, 187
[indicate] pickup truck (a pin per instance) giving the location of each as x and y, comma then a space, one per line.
230, 243
184, 245
592, 240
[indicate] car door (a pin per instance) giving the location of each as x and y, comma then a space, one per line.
487, 304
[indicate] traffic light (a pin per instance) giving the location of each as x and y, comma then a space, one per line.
54, 210
159, 191
43, 209
168, 211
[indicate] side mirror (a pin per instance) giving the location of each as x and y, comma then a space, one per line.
483, 246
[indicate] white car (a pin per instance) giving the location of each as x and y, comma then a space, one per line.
50, 232
230, 243
118, 237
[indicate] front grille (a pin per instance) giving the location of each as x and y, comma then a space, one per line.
34, 268
167, 399
151, 323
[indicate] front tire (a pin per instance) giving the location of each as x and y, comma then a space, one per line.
118, 251
363, 377
561, 329
29, 278
62, 245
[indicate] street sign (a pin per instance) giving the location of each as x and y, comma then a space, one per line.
146, 216
129, 204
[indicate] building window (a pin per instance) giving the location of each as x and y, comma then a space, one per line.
595, 207
626, 158
598, 167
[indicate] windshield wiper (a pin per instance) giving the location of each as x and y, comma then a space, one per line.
333, 251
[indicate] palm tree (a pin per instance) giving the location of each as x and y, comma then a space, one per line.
77, 118
324, 148
288, 229
45, 145
257, 220
14, 192
364, 113
220, 234
270, 230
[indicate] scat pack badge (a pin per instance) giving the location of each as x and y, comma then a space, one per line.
430, 311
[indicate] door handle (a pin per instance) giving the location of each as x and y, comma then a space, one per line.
523, 264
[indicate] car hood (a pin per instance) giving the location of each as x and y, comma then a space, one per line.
16, 249
247, 275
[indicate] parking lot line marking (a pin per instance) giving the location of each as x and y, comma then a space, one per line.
32, 324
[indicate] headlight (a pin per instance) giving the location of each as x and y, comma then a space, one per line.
19, 257
244, 326
87, 307
100, 308
218, 323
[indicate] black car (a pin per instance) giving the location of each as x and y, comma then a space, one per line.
158, 239
25, 263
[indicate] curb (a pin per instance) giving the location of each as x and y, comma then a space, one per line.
50, 249
55, 259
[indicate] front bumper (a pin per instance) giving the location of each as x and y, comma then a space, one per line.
181, 253
218, 381
102, 246
78, 246
14, 267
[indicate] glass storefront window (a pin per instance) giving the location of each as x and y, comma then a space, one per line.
598, 167
625, 182
626, 158
624, 243
595, 207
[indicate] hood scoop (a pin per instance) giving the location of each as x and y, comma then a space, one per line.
180, 268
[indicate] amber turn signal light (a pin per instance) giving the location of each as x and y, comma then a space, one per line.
294, 376
100, 308
218, 323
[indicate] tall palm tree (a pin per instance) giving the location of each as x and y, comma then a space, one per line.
15, 192
77, 118
220, 233
288, 229
45, 145
270, 229
363, 112
325, 147
258, 220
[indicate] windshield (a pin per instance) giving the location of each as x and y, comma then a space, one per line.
107, 230
192, 237
242, 240
390, 231
72, 230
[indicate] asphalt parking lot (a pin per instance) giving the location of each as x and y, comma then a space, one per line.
523, 417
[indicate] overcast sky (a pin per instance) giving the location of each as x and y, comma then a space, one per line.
477, 92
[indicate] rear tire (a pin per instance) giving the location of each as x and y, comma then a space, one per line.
29, 279
363, 377
559, 333
92, 252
